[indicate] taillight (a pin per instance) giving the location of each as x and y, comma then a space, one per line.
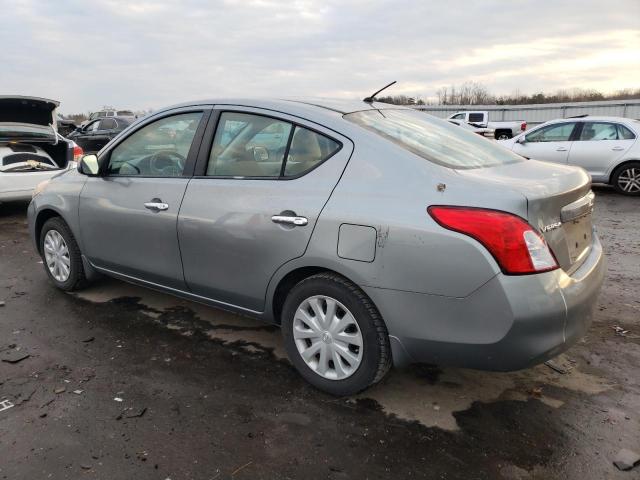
515, 244
77, 153
523, 126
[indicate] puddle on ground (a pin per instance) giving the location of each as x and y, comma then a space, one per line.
409, 395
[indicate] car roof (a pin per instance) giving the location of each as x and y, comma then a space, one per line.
294, 105
593, 118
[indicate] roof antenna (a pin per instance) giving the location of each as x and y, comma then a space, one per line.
372, 97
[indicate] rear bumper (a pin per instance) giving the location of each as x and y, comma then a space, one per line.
510, 323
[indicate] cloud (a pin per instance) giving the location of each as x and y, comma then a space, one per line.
147, 54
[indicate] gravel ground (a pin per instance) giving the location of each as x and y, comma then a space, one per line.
122, 382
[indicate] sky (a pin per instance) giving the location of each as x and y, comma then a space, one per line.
149, 54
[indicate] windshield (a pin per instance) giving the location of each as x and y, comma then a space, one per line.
435, 140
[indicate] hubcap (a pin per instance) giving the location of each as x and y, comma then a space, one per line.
56, 254
328, 337
629, 180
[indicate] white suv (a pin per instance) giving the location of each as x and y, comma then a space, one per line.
606, 147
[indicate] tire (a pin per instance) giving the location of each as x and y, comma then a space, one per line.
343, 375
626, 179
75, 279
503, 135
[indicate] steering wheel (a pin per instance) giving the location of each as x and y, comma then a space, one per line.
167, 162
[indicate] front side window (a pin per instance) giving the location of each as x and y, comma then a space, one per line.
433, 139
596, 131
92, 127
459, 116
158, 149
560, 132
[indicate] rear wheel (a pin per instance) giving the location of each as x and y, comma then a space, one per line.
61, 255
503, 135
626, 179
334, 335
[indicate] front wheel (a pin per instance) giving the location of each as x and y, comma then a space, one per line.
334, 335
61, 255
626, 179
503, 135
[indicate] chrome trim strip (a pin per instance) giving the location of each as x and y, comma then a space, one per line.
577, 209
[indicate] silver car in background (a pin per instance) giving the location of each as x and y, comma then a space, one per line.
373, 234
606, 147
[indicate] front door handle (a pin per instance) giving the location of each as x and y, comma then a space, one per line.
617, 149
561, 149
290, 220
158, 206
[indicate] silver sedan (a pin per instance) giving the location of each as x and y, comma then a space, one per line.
373, 234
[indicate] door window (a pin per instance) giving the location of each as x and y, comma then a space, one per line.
92, 127
624, 133
247, 145
307, 150
595, 131
159, 149
107, 124
476, 117
459, 116
560, 132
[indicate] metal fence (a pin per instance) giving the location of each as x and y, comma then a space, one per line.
540, 113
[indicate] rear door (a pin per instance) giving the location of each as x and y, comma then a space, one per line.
550, 143
129, 213
248, 211
599, 145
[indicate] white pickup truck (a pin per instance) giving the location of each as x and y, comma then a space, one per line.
503, 130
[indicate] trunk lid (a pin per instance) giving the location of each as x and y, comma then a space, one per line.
27, 119
559, 203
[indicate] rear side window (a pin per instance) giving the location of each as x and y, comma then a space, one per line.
596, 131
107, 124
560, 132
624, 133
307, 150
248, 145
255, 146
435, 140
476, 117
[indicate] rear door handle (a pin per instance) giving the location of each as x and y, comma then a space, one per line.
561, 149
617, 149
290, 220
156, 206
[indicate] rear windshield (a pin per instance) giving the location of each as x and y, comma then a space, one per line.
435, 140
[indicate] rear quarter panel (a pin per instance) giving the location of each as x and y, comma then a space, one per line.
389, 189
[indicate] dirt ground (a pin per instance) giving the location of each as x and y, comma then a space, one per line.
126, 383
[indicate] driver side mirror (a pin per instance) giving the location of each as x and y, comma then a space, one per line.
89, 165
522, 139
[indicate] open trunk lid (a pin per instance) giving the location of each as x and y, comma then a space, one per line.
27, 119
559, 203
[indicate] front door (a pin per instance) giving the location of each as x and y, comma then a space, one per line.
550, 143
599, 146
129, 214
248, 210
85, 137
